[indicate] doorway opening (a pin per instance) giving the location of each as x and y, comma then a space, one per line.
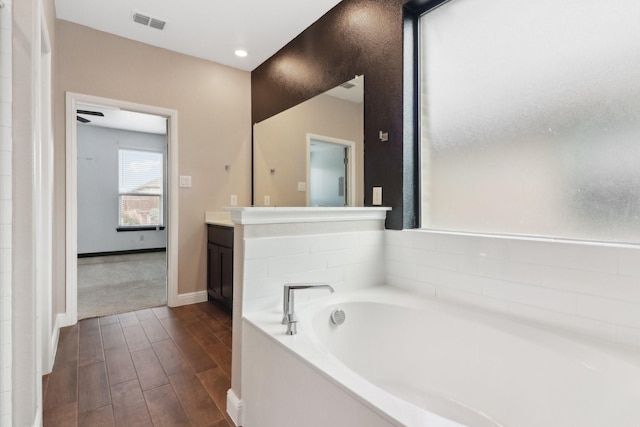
330, 171
121, 206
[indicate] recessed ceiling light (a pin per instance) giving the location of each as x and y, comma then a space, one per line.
241, 53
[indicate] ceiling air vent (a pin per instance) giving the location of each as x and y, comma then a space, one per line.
347, 85
141, 19
148, 21
157, 24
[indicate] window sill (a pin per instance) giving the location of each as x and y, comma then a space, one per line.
141, 228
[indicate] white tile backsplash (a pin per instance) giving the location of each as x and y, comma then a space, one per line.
629, 262
5, 309
5, 379
256, 268
584, 287
265, 247
502, 269
284, 266
603, 285
5, 145
333, 276
429, 258
566, 254
401, 269
346, 260
5, 89
5, 114
334, 242
476, 300
537, 296
6, 206
460, 244
371, 238
449, 279
5, 64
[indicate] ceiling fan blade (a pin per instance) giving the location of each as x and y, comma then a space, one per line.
91, 113
83, 120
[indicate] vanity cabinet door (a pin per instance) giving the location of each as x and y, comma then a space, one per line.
213, 271
220, 264
226, 276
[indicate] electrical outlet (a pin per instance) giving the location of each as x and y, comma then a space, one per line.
377, 196
234, 200
142, 237
267, 200
302, 186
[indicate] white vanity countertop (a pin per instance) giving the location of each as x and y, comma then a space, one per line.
218, 218
279, 215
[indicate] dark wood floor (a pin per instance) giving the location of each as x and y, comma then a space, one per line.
155, 367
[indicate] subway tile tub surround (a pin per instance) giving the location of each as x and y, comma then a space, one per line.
341, 376
6, 204
588, 288
343, 247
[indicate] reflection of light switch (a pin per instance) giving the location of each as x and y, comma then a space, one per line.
302, 186
185, 181
377, 196
267, 200
234, 200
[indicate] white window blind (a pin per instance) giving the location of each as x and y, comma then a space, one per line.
140, 183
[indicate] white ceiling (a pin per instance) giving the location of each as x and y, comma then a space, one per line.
121, 119
208, 29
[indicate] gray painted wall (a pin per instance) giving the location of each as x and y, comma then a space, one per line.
98, 190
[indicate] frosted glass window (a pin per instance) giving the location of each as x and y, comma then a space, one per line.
530, 118
140, 182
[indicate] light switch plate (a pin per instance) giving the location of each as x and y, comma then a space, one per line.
234, 200
185, 181
302, 186
377, 196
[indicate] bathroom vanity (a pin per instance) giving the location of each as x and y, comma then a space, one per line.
220, 262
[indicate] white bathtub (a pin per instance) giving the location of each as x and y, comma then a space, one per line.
403, 360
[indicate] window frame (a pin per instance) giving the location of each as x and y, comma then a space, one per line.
412, 173
413, 10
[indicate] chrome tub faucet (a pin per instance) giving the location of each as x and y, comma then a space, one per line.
289, 315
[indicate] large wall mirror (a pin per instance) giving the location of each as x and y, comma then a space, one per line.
313, 154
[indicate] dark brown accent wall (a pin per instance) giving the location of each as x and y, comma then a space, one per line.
355, 37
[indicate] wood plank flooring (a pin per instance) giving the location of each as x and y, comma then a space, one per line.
155, 367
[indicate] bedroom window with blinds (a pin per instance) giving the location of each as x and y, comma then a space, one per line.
141, 184
530, 118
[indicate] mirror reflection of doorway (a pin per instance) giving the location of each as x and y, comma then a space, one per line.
122, 204
329, 172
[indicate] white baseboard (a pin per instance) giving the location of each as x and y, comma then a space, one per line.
55, 337
234, 408
37, 422
64, 319
191, 298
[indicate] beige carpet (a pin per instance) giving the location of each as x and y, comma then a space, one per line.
121, 283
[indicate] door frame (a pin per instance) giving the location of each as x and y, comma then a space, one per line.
351, 165
72, 99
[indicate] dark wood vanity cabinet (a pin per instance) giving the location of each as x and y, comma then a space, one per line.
220, 264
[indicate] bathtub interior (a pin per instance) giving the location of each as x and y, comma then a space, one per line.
477, 368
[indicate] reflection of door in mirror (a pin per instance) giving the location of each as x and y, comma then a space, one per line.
281, 147
330, 183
